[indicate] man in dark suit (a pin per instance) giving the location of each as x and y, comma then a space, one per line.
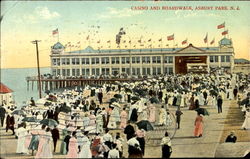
219, 104
55, 136
2, 114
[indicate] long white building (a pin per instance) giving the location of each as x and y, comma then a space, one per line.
149, 61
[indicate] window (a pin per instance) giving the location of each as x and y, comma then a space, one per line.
68, 72
154, 59
168, 59
68, 61
54, 61
133, 59
64, 72
63, 61
138, 60
73, 72
58, 62
156, 70
146, 71
127, 60
228, 59
168, 70
222, 59
73, 61
146, 59
105, 60
115, 60
123, 60
54, 72
95, 71
77, 72
115, 71
214, 59
105, 71
85, 61
77, 61
58, 72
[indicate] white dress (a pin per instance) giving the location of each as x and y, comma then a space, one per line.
85, 150
246, 123
21, 133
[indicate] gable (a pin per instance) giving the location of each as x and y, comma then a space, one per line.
190, 49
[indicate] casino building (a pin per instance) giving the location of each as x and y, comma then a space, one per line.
149, 61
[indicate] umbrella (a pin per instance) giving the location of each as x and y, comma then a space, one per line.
49, 122
127, 90
118, 96
65, 109
154, 100
30, 119
113, 100
47, 92
18, 112
202, 111
144, 124
135, 98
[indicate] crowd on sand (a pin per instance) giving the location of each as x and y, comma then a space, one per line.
83, 117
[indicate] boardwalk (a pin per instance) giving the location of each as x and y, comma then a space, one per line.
184, 144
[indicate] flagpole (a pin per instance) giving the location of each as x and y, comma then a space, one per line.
58, 36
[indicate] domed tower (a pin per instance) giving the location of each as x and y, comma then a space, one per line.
57, 48
225, 42
226, 54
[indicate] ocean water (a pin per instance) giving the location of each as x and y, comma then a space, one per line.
15, 79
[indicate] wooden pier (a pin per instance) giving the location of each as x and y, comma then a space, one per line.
53, 84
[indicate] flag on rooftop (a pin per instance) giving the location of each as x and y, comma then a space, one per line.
224, 32
212, 42
171, 37
160, 39
55, 31
184, 42
221, 26
205, 39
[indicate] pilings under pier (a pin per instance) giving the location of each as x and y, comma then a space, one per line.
53, 84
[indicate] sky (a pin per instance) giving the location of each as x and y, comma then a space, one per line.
25, 21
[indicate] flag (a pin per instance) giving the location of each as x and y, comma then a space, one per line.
87, 37
205, 39
129, 41
212, 42
55, 31
184, 42
149, 40
98, 41
125, 46
160, 39
171, 37
134, 45
221, 26
78, 42
139, 41
124, 41
108, 41
167, 45
225, 32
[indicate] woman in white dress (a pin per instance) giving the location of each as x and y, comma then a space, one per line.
246, 124
85, 150
47, 150
21, 133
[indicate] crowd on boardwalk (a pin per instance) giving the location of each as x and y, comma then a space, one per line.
84, 117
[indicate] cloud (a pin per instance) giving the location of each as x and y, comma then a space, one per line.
39, 13
45, 13
119, 13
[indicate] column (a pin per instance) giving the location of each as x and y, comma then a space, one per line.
208, 64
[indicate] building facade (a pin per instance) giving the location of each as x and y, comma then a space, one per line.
241, 66
150, 61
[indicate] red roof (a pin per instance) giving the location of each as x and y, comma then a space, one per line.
4, 89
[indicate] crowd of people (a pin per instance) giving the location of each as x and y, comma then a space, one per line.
85, 117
